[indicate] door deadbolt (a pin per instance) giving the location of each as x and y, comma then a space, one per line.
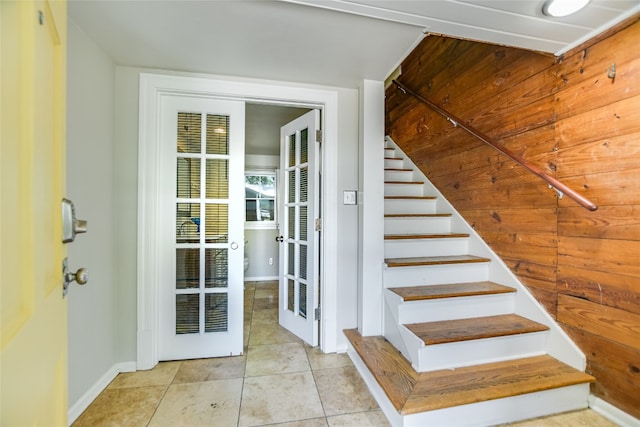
70, 224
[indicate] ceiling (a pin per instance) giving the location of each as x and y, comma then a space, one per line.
324, 42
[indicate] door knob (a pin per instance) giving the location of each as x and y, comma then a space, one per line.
280, 239
81, 277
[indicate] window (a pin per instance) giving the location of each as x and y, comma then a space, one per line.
260, 196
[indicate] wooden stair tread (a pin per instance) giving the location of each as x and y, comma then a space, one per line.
398, 170
412, 392
434, 260
393, 158
428, 292
448, 331
417, 215
424, 236
410, 197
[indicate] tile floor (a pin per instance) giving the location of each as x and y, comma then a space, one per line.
278, 381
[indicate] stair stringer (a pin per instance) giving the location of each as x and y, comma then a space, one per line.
559, 344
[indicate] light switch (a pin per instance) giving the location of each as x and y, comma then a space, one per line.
350, 197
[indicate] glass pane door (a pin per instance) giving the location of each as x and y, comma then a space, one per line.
206, 292
299, 266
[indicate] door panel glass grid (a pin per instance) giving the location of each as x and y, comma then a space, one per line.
189, 132
217, 134
304, 145
202, 223
217, 179
297, 222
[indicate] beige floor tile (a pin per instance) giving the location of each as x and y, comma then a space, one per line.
129, 407
320, 360
584, 418
218, 368
269, 316
279, 398
271, 284
314, 422
265, 303
162, 374
263, 334
266, 292
212, 403
276, 359
360, 419
343, 391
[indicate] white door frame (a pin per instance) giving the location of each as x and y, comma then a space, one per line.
155, 86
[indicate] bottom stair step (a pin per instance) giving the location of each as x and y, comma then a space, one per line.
411, 392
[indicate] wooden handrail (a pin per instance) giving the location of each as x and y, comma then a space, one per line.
558, 186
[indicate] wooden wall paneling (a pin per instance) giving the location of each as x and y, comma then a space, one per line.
597, 90
617, 325
431, 56
608, 222
603, 155
615, 366
500, 196
601, 287
613, 256
535, 248
616, 119
586, 63
617, 188
534, 275
510, 220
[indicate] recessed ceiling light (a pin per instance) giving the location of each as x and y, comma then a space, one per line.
560, 8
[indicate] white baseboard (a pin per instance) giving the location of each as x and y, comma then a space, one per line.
612, 413
261, 278
83, 403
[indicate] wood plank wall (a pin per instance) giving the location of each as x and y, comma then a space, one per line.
567, 117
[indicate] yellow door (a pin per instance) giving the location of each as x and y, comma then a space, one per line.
33, 340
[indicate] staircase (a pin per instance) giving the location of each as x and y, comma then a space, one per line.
464, 341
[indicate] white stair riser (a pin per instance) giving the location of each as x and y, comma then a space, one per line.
501, 411
476, 352
403, 189
436, 224
455, 308
409, 206
392, 334
398, 175
435, 274
425, 247
393, 163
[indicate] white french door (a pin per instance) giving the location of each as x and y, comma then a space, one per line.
202, 228
299, 240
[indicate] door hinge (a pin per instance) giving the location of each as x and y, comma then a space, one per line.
319, 135
316, 314
318, 224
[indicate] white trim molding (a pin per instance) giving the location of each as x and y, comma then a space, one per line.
94, 391
612, 413
152, 88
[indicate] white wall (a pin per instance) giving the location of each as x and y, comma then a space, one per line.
126, 146
261, 242
92, 309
